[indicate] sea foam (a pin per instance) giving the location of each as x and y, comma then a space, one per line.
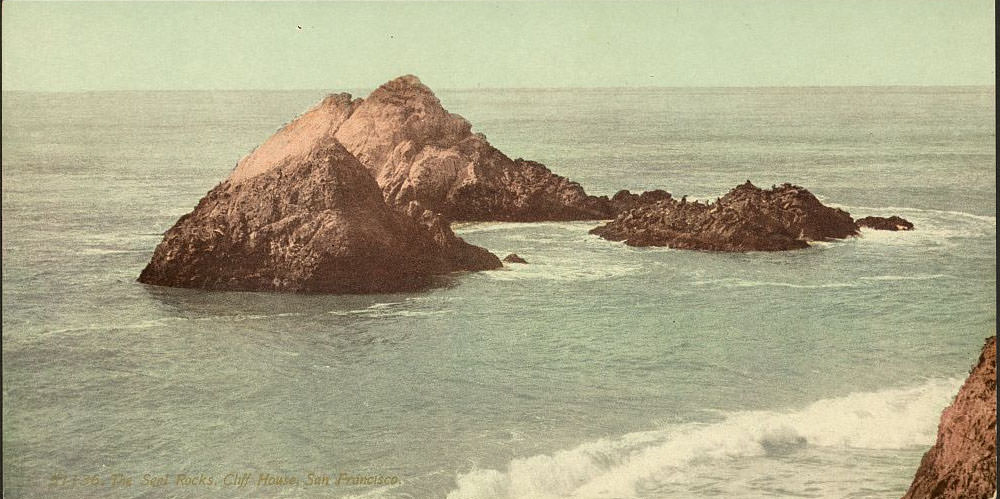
888, 419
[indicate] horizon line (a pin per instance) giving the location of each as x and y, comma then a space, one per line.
467, 89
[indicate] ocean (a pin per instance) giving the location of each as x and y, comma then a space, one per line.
595, 371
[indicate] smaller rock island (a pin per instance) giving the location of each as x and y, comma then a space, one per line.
747, 218
513, 258
885, 223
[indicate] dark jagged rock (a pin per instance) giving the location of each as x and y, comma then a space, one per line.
624, 200
962, 463
745, 219
313, 222
884, 223
513, 258
418, 151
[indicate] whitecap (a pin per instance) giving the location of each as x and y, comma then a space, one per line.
924, 277
743, 283
564, 271
389, 309
904, 418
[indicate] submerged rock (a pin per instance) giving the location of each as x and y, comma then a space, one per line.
513, 258
418, 151
745, 219
962, 463
884, 223
312, 220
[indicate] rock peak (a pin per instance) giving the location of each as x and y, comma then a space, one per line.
747, 187
407, 79
418, 151
337, 99
406, 86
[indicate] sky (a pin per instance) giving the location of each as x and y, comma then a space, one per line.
85, 46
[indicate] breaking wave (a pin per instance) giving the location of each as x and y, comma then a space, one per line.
888, 419
390, 309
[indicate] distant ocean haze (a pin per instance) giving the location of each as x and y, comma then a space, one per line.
595, 370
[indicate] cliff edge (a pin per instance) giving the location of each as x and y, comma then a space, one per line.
962, 463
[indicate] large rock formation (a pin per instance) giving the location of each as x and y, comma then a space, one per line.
311, 220
418, 151
885, 223
356, 195
745, 219
962, 463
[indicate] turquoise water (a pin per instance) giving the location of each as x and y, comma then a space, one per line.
597, 370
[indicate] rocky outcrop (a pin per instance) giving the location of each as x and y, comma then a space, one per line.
513, 258
418, 151
962, 463
745, 219
311, 220
884, 223
624, 200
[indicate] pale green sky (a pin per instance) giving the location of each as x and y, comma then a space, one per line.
257, 45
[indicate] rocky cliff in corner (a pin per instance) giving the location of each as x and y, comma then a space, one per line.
745, 219
308, 220
418, 151
962, 463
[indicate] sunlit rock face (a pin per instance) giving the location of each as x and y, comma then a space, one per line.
418, 151
313, 220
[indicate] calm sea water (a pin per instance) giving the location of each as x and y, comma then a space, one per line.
597, 370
